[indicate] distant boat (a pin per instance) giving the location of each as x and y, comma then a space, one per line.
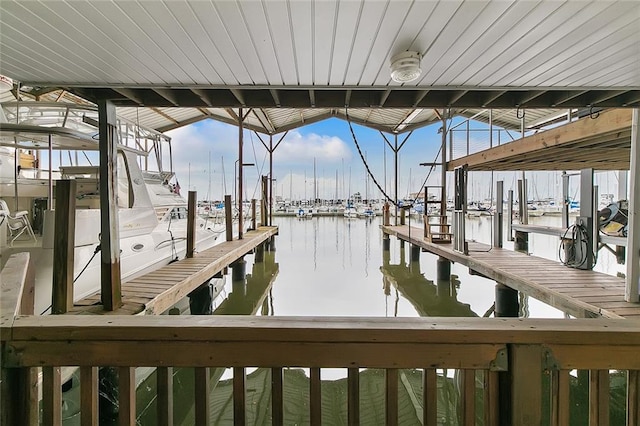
304, 213
350, 212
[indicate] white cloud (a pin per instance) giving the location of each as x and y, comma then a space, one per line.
297, 148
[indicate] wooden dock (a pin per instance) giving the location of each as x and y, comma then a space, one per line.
157, 291
578, 292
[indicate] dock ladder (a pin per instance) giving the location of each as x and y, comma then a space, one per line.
436, 226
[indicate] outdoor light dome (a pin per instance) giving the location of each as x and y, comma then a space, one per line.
405, 66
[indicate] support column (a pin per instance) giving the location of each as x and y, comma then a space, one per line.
443, 172
506, 301
239, 268
521, 242
623, 177
632, 287
443, 269
259, 256
584, 250
240, 172
63, 247
395, 180
497, 225
506, 306
110, 285
201, 299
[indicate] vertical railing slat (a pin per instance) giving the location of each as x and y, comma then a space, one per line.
560, 398
468, 400
89, 396
491, 398
239, 396
277, 403
598, 397
202, 391
430, 397
525, 364
353, 396
164, 379
315, 397
633, 398
51, 396
127, 396
391, 393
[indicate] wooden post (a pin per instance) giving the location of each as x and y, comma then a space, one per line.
63, 246
253, 214
353, 396
430, 397
521, 242
402, 215
51, 396
228, 217
127, 396
315, 397
165, 395
265, 204
497, 219
277, 402
598, 397
110, 284
191, 223
632, 283
240, 173
633, 398
507, 304
386, 214
560, 405
525, 365
239, 396
89, 396
202, 391
391, 396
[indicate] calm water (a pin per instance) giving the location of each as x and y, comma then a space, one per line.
331, 266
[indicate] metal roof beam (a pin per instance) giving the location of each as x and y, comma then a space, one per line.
204, 96
169, 95
130, 94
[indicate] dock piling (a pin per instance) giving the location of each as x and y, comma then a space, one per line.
239, 270
191, 223
63, 247
228, 217
506, 302
443, 269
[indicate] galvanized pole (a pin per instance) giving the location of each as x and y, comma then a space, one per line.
240, 161
443, 178
395, 153
270, 195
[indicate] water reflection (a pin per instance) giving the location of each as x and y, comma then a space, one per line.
429, 298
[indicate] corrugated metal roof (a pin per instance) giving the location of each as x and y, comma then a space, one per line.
320, 57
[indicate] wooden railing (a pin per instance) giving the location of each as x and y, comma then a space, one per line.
512, 356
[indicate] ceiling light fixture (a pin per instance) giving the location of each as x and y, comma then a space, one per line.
405, 66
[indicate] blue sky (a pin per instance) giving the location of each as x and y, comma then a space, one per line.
331, 144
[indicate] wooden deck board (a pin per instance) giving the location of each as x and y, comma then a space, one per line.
578, 292
158, 290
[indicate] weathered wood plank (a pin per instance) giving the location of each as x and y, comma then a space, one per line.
127, 396
468, 397
89, 396
491, 402
63, 246
277, 401
391, 399
430, 397
201, 395
239, 396
526, 384
315, 397
598, 397
353, 396
16, 283
164, 379
574, 291
51, 396
633, 398
560, 407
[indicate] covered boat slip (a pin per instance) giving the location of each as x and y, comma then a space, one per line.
601, 141
580, 293
156, 291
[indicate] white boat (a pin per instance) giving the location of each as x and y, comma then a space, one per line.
350, 212
304, 213
152, 213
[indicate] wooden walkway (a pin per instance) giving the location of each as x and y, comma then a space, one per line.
577, 292
157, 291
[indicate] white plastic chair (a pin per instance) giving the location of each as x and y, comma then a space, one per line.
18, 223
